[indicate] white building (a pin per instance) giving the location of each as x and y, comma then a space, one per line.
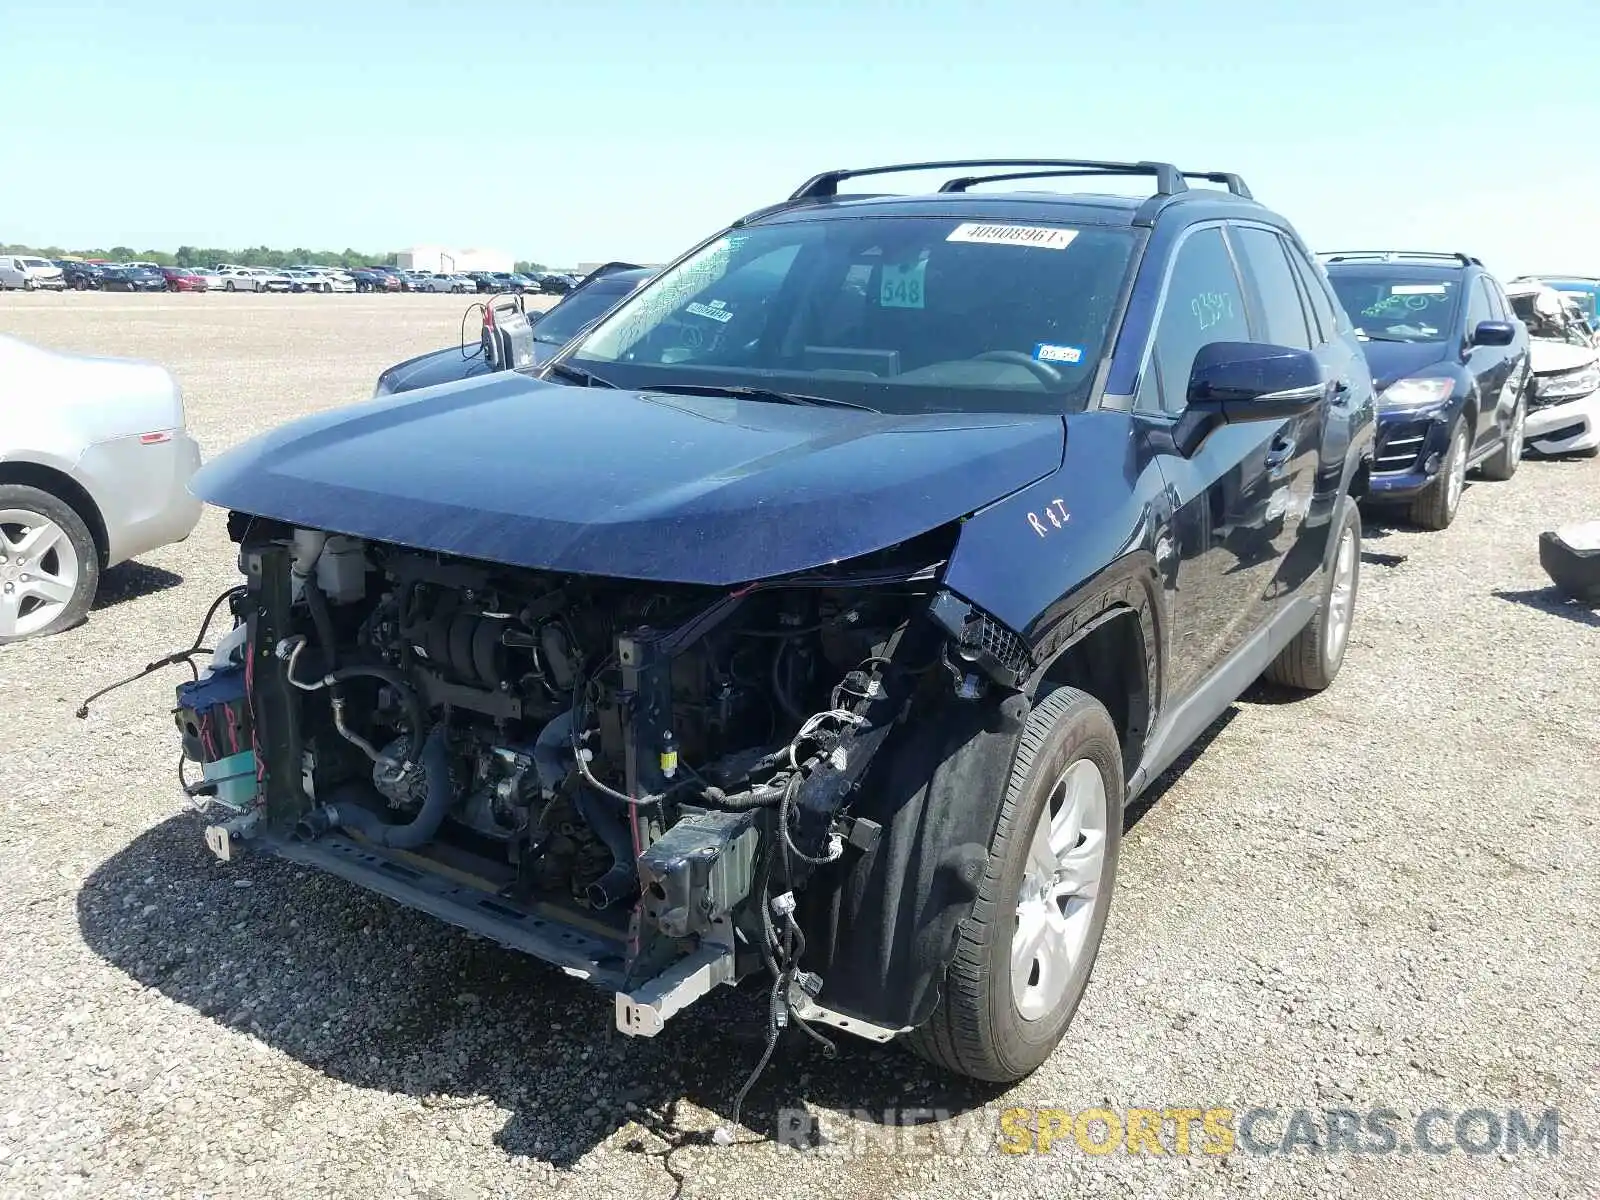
451, 260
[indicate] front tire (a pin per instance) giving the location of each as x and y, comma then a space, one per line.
1026, 952
1436, 507
49, 564
1311, 662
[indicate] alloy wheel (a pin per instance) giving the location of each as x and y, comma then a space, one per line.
39, 572
1458, 471
1055, 907
1342, 597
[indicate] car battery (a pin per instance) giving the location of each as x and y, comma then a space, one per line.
213, 718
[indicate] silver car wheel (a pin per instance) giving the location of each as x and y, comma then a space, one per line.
1457, 469
1055, 909
1341, 600
39, 572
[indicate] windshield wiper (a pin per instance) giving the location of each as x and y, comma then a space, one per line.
578, 375
768, 395
1382, 337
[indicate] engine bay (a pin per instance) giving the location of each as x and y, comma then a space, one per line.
631, 779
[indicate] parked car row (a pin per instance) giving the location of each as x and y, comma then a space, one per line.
30, 273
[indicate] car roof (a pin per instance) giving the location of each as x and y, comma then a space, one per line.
1381, 268
1170, 195
1078, 208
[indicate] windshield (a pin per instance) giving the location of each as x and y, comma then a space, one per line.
1398, 305
901, 314
34, 262
563, 322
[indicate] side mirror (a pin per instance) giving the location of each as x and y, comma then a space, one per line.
1254, 381
1494, 333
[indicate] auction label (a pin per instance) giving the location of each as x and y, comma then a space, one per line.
1041, 237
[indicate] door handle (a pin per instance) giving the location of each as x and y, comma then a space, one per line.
1280, 451
1341, 394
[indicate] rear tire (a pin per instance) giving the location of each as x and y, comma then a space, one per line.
1025, 953
1436, 507
52, 566
1503, 463
1311, 662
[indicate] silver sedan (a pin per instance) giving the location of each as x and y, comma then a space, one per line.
95, 464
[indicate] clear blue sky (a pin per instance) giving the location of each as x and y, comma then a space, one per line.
569, 130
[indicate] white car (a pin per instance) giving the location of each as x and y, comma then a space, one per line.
95, 463
305, 281
254, 279
325, 279
212, 278
27, 273
440, 282
1564, 411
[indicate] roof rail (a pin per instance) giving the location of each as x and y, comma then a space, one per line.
1233, 182
1466, 260
1169, 180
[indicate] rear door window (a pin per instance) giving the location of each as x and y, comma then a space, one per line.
1283, 319
1478, 309
1322, 302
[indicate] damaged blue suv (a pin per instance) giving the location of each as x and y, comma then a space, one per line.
813, 617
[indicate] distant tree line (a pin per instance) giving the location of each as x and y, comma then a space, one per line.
203, 256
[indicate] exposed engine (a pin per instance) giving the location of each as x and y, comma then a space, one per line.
542, 732
635, 781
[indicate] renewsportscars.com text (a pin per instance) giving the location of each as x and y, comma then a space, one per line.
1174, 1130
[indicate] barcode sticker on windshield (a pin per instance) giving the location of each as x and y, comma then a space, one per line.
1041, 237
717, 310
1417, 289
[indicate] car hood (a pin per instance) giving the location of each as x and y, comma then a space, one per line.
1395, 360
437, 366
1549, 357
685, 489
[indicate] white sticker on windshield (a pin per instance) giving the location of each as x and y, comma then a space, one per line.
901, 286
717, 310
1418, 289
1046, 352
1041, 237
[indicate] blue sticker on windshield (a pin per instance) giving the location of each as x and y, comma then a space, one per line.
1046, 352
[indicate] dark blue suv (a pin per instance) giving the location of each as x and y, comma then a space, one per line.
815, 614
1451, 362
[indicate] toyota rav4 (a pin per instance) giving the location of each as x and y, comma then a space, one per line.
815, 615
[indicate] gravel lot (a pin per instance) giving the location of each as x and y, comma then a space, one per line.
1383, 896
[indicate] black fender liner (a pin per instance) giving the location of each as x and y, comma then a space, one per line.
883, 923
